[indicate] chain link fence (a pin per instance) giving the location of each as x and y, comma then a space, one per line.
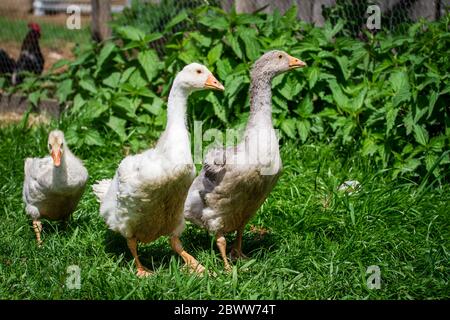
43, 22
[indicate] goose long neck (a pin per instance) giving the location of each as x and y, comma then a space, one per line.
175, 141
176, 107
60, 172
260, 103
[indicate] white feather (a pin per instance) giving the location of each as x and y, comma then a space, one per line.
100, 188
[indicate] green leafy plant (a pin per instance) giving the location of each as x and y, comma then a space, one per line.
385, 98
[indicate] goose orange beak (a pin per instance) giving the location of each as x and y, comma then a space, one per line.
296, 63
56, 156
212, 83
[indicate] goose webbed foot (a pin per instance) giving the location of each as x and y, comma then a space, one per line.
37, 227
142, 271
191, 263
236, 251
236, 254
222, 245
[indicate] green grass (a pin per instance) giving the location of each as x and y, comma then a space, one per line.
53, 34
319, 244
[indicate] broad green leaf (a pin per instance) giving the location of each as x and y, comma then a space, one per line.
144, 92
105, 53
88, 85
93, 138
214, 22
223, 68
152, 37
337, 28
215, 53
126, 74
131, 33
369, 147
176, 20
201, 39
72, 136
132, 45
289, 128
83, 59
34, 97
126, 105
400, 84
112, 80
61, 63
420, 112
78, 103
64, 89
145, 119
291, 88
136, 80
359, 52
280, 102
437, 144
343, 64
433, 98
248, 19
358, 101
188, 56
303, 127
252, 47
421, 134
233, 85
313, 76
155, 107
409, 123
278, 79
219, 110
338, 96
94, 109
410, 165
234, 44
118, 126
328, 112
430, 159
150, 63
305, 109
391, 115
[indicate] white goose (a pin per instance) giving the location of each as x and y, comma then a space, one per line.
145, 198
235, 181
53, 185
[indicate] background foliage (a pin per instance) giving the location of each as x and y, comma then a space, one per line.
385, 97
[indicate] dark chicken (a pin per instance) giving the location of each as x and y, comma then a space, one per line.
31, 58
7, 64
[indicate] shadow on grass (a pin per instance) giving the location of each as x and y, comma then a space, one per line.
153, 255
195, 239
52, 227
157, 254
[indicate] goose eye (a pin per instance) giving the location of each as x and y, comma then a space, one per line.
49, 146
199, 71
280, 56
62, 144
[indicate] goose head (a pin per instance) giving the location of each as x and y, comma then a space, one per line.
195, 77
56, 143
274, 62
